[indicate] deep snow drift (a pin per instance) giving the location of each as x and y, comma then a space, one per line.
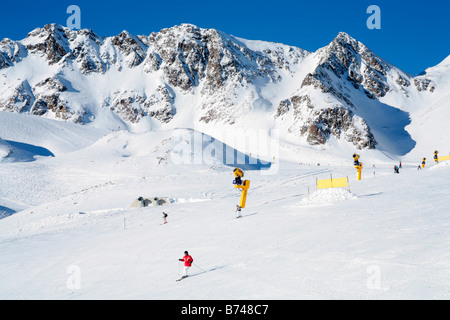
74, 235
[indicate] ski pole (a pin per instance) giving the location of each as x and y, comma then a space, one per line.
199, 267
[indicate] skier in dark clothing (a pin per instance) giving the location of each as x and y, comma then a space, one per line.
238, 212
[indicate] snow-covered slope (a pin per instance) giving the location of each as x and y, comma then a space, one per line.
45, 137
134, 155
5, 149
429, 122
80, 239
188, 77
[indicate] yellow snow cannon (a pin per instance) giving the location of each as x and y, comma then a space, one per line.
358, 165
242, 185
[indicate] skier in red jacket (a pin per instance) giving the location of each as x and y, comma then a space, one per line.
187, 263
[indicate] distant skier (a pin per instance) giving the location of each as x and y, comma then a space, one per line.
396, 170
400, 165
238, 211
165, 217
187, 259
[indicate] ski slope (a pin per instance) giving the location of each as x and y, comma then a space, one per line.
29, 136
74, 236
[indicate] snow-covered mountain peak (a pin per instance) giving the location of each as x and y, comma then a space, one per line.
344, 39
51, 29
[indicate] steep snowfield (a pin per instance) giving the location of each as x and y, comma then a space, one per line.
429, 125
387, 239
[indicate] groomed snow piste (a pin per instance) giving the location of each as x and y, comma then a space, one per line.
70, 232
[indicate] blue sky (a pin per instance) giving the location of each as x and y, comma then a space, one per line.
414, 35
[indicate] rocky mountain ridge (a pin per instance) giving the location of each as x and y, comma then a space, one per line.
216, 78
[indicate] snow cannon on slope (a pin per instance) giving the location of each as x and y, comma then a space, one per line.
423, 162
436, 158
358, 165
243, 185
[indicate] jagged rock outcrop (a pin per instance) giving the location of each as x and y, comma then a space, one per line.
319, 125
346, 57
9, 53
47, 96
131, 47
132, 107
50, 41
19, 98
338, 122
344, 67
424, 84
